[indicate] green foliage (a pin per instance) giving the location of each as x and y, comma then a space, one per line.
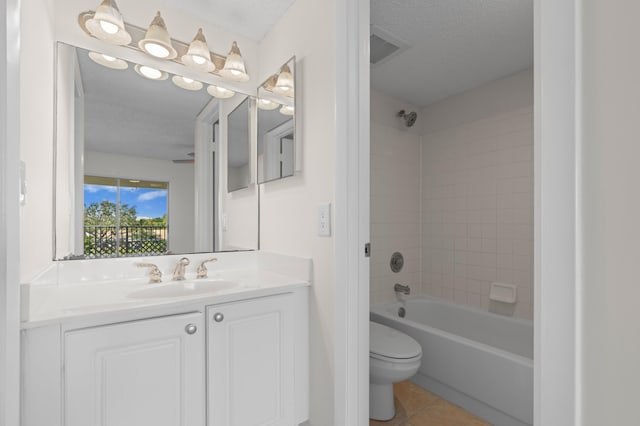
105, 237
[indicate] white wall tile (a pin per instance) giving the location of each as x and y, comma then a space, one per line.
457, 203
478, 178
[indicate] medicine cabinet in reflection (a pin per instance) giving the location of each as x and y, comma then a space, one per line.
277, 125
238, 143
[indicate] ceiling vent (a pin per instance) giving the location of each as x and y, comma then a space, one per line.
384, 46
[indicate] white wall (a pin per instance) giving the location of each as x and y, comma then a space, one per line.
395, 198
36, 134
9, 214
44, 23
237, 210
477, 193
288, 206
610, 210
181, 194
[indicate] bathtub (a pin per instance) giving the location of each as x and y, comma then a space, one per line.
480, 361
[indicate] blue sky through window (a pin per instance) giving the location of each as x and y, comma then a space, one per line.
149, 202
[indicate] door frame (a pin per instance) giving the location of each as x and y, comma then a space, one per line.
557, 217
10, 213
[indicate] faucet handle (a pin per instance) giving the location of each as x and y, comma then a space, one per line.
155, 275
202, 269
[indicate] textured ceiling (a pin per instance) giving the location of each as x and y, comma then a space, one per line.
131, 115
454, 45
250, 18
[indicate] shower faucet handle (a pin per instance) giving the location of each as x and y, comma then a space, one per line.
404, 289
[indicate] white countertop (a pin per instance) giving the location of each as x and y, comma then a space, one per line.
85, 302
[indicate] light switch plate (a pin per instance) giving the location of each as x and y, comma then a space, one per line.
324, 220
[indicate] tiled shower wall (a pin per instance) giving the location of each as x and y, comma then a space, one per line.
395, 199
454, 195
477, 214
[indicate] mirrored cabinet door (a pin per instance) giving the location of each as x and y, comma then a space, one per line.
238, 147
276, 125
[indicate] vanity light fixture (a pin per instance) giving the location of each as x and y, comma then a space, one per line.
284, 83
220, 92
107, 24
108, 61
156, 41
151, 73
198, 56
287, 110
234, 68
186, 83
267, 105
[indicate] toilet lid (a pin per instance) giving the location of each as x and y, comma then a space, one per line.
387, 342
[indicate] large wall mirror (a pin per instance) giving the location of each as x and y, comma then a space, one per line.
277, 124
141, 163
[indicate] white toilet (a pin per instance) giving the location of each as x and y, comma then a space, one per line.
393, 357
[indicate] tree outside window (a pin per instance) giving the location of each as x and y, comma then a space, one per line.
124, 217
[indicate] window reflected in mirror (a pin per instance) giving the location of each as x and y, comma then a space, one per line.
276, 125
125, 217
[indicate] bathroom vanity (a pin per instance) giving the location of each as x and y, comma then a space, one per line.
102, 346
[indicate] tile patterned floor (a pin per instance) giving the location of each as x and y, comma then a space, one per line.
418, 407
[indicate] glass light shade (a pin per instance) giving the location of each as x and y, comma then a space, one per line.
198, 56
284, 83
220, 92
267, 105
156, 41
234, 68
186, 83
108, 61
151, 73
287, 110
107, 24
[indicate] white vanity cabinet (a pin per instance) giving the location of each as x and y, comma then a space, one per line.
239, 362
250, 362
148, 372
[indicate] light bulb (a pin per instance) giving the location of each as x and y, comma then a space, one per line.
186, 83
150, 72
199, 59
108, 27
156, 50
220, 92
267, 104
108, 58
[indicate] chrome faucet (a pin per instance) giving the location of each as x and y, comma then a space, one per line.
155, 275
399, 288
202, 269
178, 273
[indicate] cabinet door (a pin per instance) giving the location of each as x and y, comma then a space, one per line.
250, 362
138, 373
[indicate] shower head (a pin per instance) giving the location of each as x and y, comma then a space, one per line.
409, 118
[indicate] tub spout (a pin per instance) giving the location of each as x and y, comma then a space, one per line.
404, 289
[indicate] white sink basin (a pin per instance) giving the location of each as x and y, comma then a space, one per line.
182, 289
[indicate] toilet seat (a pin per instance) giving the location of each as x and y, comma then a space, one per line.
387, 344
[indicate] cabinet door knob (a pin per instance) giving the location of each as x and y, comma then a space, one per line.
191, 329
218, 317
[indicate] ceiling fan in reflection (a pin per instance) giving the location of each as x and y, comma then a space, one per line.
186, 161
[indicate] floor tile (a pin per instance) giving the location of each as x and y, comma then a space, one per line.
418, 407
